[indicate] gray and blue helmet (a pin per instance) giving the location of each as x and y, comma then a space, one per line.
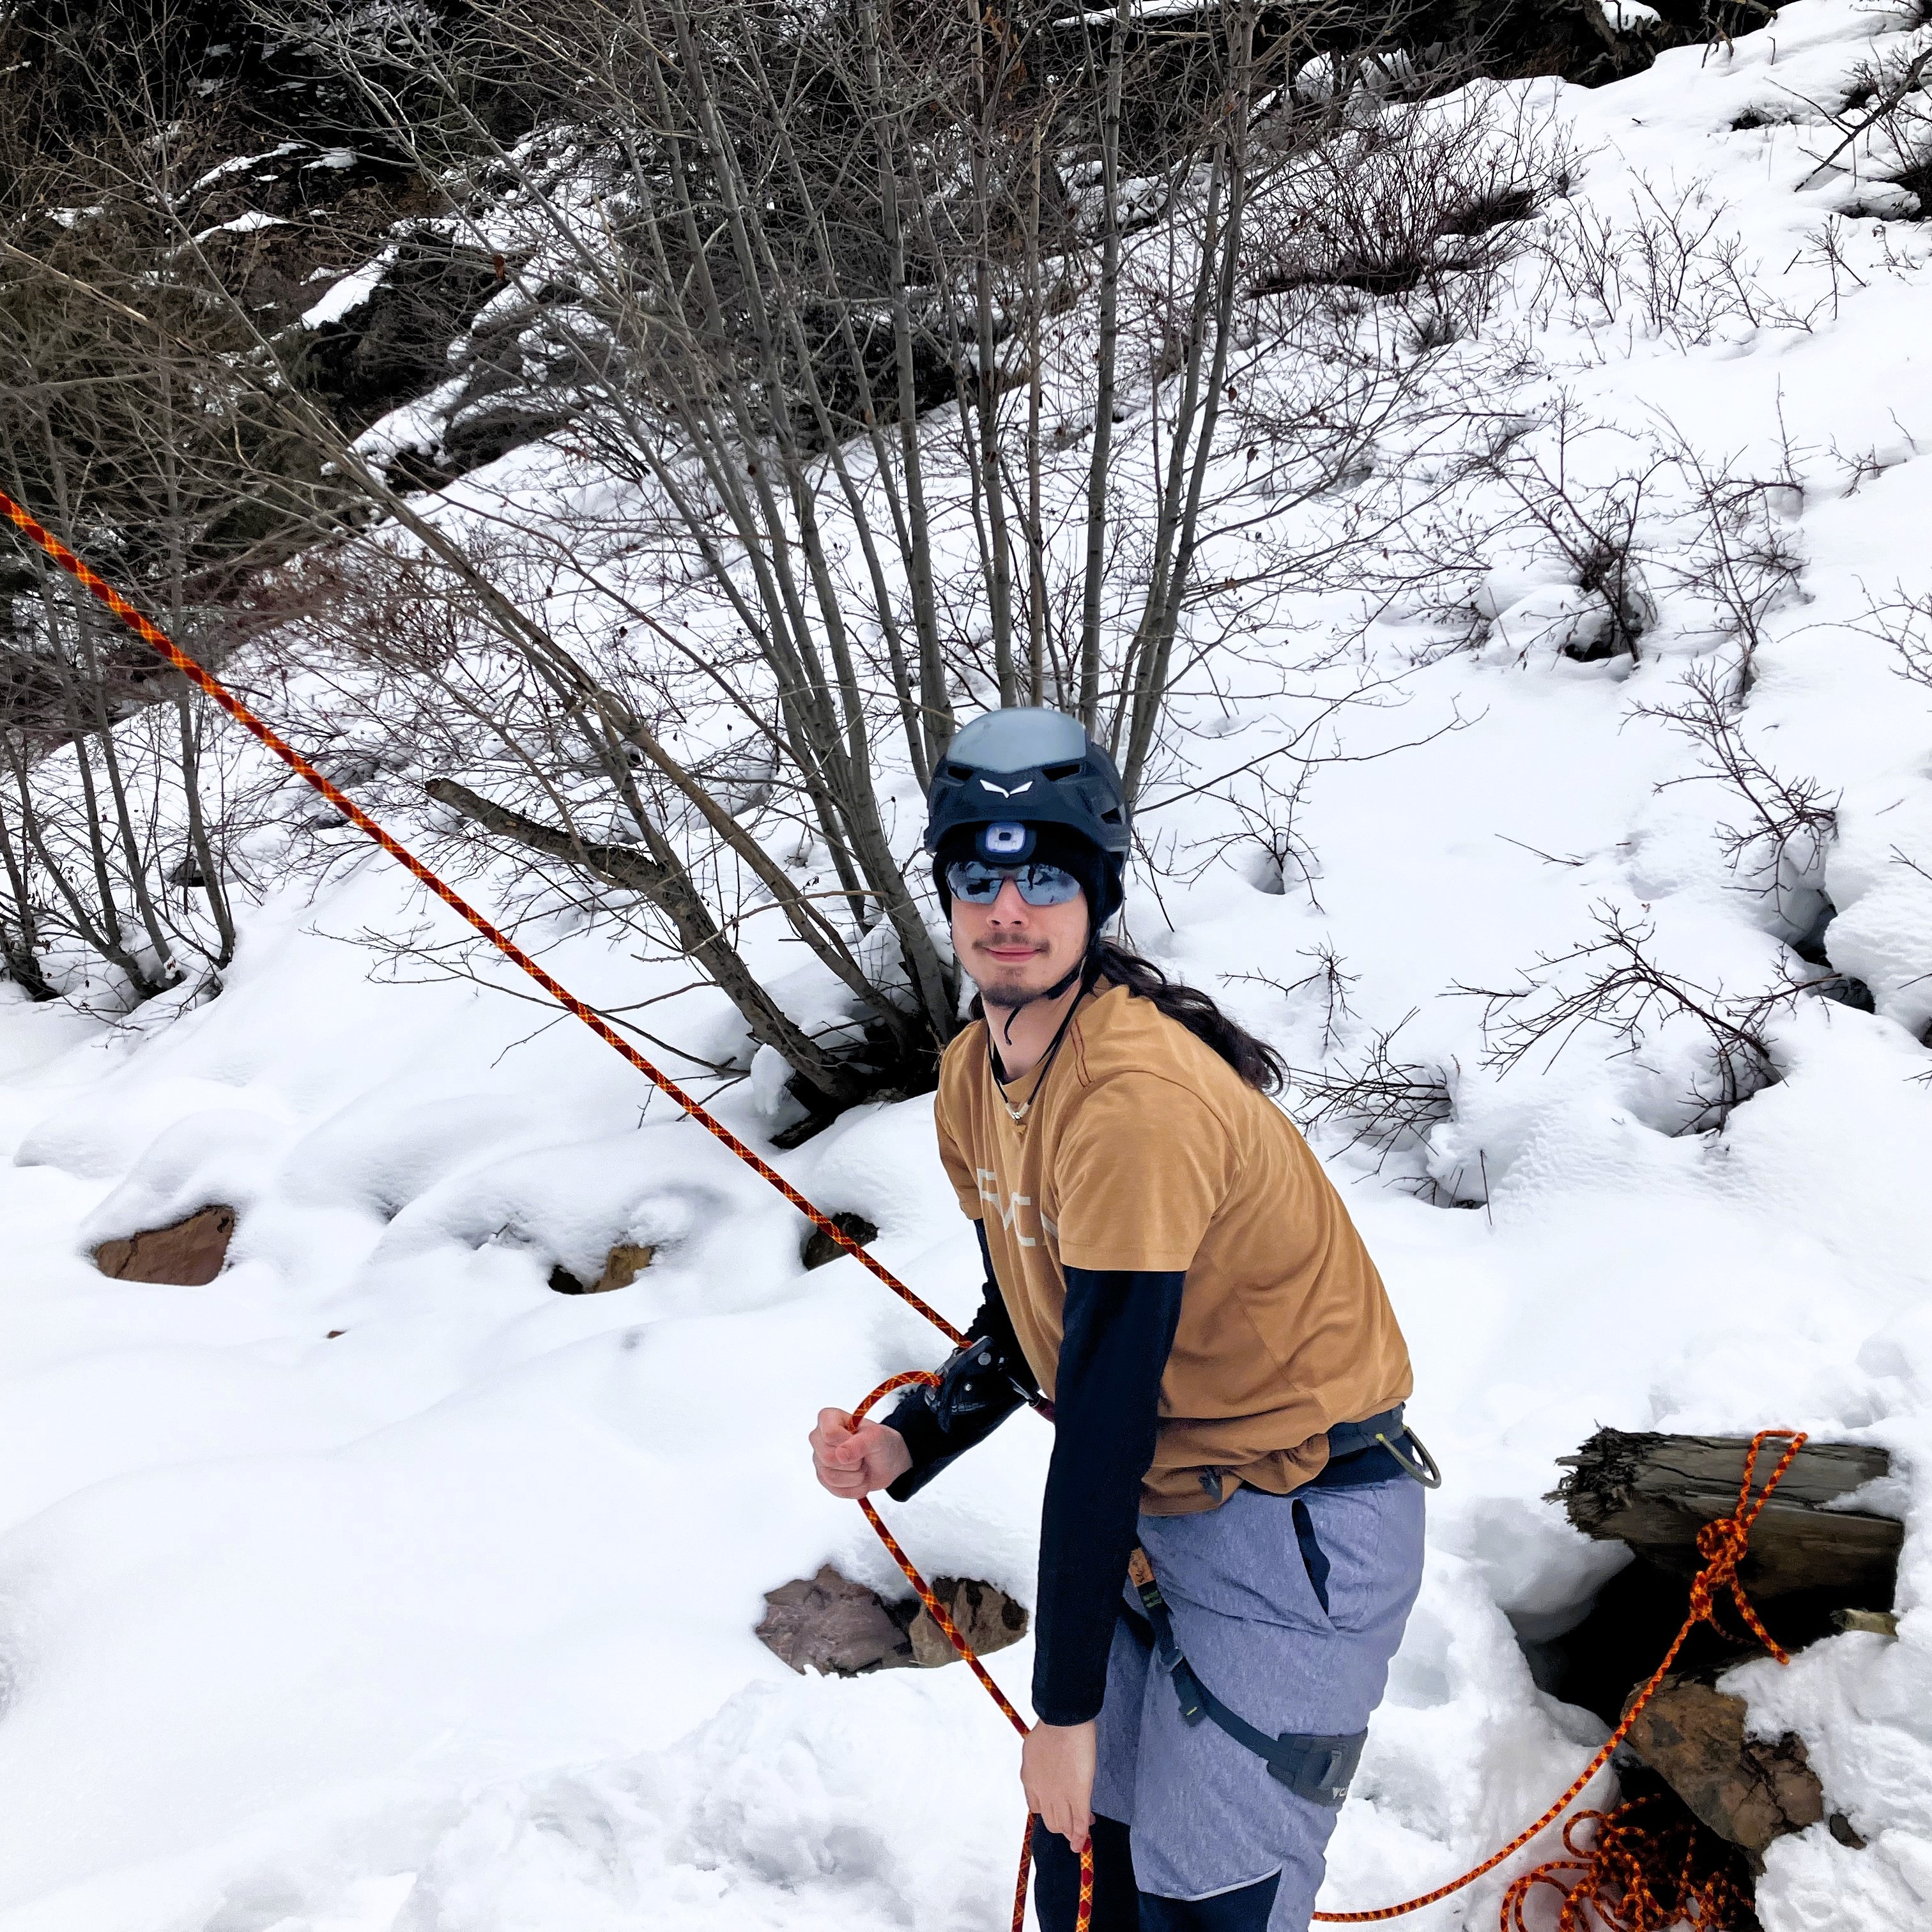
1028, 766
1027, 783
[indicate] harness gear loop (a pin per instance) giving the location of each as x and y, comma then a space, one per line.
1424, 1468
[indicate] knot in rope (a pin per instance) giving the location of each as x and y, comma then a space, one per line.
1721, 1543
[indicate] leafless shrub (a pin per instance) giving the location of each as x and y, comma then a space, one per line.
1386, 1104
1739, 558
1778, 850
1904, 621
1630, 518
1595, 530
1325, 981
1612, 982
1669, 268
118, 846
1419, 199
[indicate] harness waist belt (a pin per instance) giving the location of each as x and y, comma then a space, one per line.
1350, 1438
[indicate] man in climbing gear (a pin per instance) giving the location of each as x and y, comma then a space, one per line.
1168, 1265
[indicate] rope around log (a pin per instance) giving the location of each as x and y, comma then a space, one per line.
1606, 1865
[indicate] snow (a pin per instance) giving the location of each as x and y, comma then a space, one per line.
444, 1624
237, 164
244, 224
348, 294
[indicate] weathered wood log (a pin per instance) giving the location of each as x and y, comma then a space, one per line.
1655, 1492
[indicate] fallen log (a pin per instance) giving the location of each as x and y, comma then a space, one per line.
1655, 1492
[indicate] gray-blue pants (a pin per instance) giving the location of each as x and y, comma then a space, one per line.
1206, 1816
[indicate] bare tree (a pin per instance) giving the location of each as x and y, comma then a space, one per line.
1372, 1099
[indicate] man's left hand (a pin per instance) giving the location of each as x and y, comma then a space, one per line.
1057, 1770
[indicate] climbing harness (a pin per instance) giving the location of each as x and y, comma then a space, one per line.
1621, 1857
1315, 1767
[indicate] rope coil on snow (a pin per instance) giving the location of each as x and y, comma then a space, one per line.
1619, 1860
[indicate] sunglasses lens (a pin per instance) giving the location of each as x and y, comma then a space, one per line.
975, 883
980, 884
1047, 885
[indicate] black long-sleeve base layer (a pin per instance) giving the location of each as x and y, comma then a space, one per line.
1118, 1331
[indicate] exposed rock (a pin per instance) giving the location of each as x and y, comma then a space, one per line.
189, 1254
988, 1618
1745, 1790
622, 1266
394, 345
821, 1248
1847, 1833
830, 1623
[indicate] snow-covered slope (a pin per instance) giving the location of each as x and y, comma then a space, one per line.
442, 1622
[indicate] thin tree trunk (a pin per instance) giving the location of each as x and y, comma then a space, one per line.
1036, 526
1098, 469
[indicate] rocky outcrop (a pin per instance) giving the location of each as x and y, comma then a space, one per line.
622, 1266
188, 1254
988, 1618
1747, 1789
819, 1247
828, 1623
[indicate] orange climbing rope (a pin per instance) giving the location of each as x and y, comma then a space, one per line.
1635, 1876
943, 1618
1615, 1862
157, 641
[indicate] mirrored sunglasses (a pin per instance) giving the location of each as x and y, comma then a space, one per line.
979, 883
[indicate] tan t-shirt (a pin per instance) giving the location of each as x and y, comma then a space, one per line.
1143, 1149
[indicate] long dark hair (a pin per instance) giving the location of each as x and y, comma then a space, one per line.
1254, 1059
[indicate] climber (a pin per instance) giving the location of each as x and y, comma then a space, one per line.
1168, 1264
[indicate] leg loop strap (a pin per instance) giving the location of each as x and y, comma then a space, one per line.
1316, 1768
